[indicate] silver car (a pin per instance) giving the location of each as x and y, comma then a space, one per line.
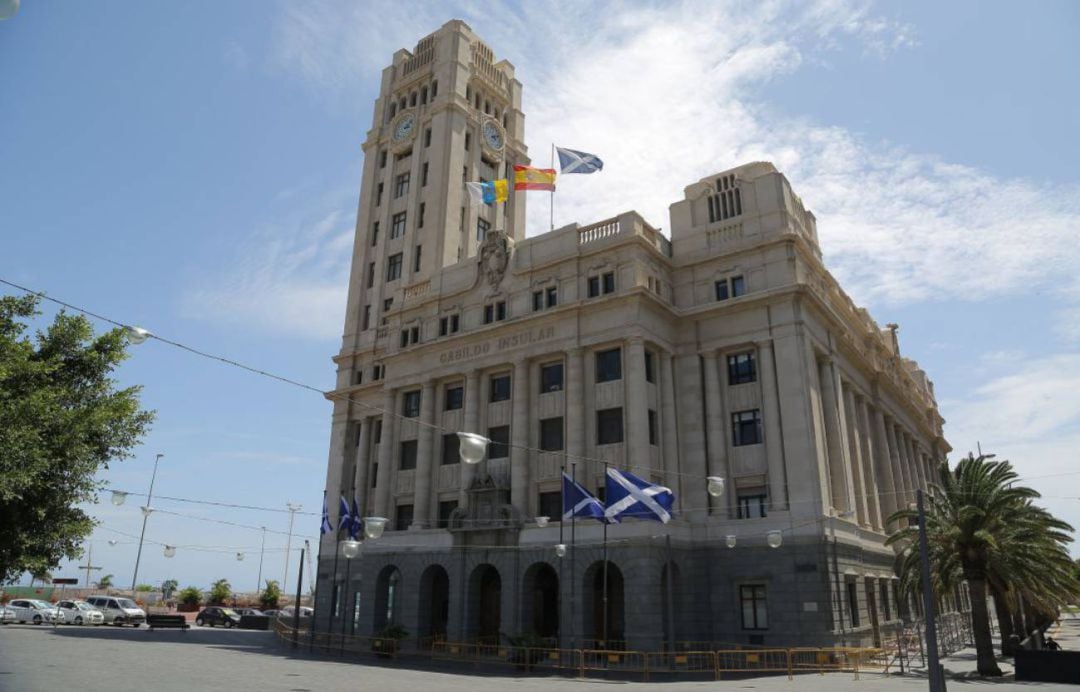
35, 611
7, 615
80, 613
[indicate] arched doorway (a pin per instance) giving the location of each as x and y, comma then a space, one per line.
387, 598
485, 596
671, 609
541, 600
610, 629
434, 602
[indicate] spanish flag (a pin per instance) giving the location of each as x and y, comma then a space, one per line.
529, 178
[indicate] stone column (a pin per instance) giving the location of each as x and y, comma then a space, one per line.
915, 461
638, 454
847, 398
362, 463
715, 432
668, 434
868, 448
519, 438
840, 486
890, 499
386, 455
774, 441
575, 405
472, 423
900, 476
694, 498
422, 478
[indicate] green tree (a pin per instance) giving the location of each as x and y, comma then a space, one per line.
271, 595
982, 529
62, 420
144, 588
220, 591
191, 596
168, 587
105, 582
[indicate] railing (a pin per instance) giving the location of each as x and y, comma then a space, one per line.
419, 289
627, 224
598, 231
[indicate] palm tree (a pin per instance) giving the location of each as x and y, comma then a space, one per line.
105, 582
967, 520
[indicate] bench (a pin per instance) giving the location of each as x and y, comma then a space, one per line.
167, 621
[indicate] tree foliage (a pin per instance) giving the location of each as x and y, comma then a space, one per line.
191, 596
62, 419
105, 582
271, 595
168, 587
220, 591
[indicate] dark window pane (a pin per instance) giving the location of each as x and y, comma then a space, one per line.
500, 310
609, 426
500, 388
652, 427
550, 505
411, 404
738, 286
455, 397
650, 372
741, 368
722, 290
408, 455
551, 378
552, 296
403, 518
745, 428
445, 508
450, 449
609, 365
551, 434
594, 286
752, 504
489, 314
538, 300
500, 438
609, 282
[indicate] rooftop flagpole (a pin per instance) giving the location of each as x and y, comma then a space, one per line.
605, 626
573, 565
552, 209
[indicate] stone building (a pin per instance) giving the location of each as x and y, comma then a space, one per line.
727, 350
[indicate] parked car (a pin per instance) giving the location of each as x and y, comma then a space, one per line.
272, 613
7, 615
250, 611
290, 611
80, 612
214, 615
118, 611
35, 611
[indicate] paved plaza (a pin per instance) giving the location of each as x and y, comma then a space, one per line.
43, 659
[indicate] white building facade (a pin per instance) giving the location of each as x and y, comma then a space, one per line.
728, 350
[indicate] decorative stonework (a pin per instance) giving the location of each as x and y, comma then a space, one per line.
495, 257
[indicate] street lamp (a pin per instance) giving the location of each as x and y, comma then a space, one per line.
472, 447
119, 497
170, 551
350, 549
239, 557
374, 526
146, 515
542, 521
136, 335
293, 509
730, 540
775, 539
560, 550
715, 485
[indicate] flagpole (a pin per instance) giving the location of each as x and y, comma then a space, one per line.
348, 565
562, 520
315, 595
333, 590
573, 566
605, 628
552, 189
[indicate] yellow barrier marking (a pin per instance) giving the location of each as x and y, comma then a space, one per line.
680, 659
822, 658
613, 658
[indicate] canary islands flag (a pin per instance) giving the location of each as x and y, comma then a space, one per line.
529, 178
490, 192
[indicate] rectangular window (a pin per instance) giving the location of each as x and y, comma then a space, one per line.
393, 267
376, 433
746, 428
427, 136
407, 461
853, 602
377, 372
482, 228
423, 174
594, 286
455, 323
550, 505
652, 427
468, 140
752, 503
403, 517
551, 295
370, 274
410, 407
375, 474
609, 426
551, 378
753, 606
885, 600
489, 314
551, 434
374, 234
382, 159
741, 368
397, 225
446, 507
387, 304
738, 286
455, 398
420, 215
538, 300
609, 365
500, 439
650, 373
416, 258
722, 290
500, 388
450, 449
414, 334
404, 338
444, 325
367, 318
401, 185
500, 311
378, 194
609, 282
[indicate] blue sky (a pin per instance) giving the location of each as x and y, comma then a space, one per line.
194, 168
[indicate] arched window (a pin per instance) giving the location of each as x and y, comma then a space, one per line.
393, 109
401, 103
423, 96
505, 120
487, 108
412, 99
434, 89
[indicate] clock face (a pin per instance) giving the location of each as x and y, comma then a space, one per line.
492, 135
404, 128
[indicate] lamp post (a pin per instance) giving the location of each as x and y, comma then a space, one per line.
836, 573
262, 552
934, 673
293, 509
146, 515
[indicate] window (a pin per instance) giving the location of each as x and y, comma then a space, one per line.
500, 439
420, 215
609, 365
885, 600
853, 602
746, 428
397, 225
650, 373
468, 140
410, 407
401, 185
444, 325
412, 99
414, 334
427, 140
594, 286
416, 258
367, 318
753, 606
500, 388
387, 304
450, 449
652, 427
726, 202
538, 300
730, 288
403, 518
404, 338
722, 290
393, 268
370, 274
741, 368
551, 378
482, 228
551, 296
407, 461
434, 88
377, 372
738, 286
752, 503
551, 434
609, 426
609, 282
446, 507
374, 234
495, 312
455, 323
500, 310
550, 505
454, 399
448, 325
382, 159
423, 175
378, 194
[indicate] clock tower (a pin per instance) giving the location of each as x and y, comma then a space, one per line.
447, 113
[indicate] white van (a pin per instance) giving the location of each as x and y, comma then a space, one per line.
118, 611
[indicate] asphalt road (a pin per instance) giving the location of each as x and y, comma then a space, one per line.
43, 659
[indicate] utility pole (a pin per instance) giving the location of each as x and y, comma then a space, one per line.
293, 509
89, 566
145, 515
262, 551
